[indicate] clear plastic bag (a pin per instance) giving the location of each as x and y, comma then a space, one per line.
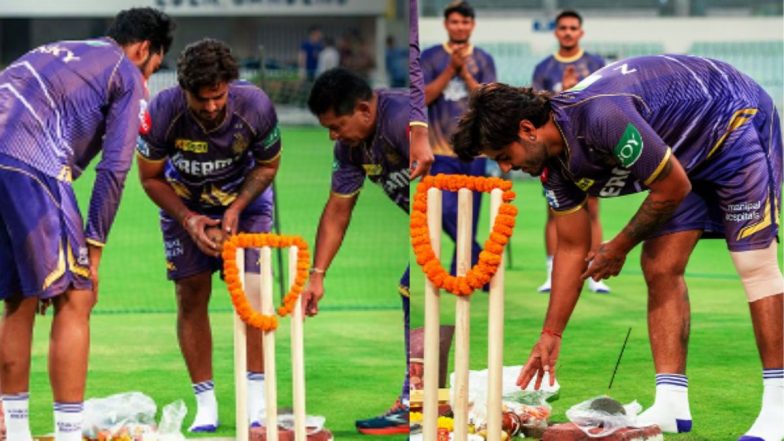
602, 416
128, 415
172, 415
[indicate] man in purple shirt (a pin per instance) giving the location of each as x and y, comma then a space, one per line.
421, 154
561, 71
705, 141
452, 71
369, 128
62, 104
208, 159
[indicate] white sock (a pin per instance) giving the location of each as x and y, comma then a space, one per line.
68, 421
206, 419
670, 411
768, 426
545, 287
256, 408
15, 413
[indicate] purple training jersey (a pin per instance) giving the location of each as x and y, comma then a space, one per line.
622, 123
62, 103
548, 74
444, 112
418, 114
206, 168
383, 158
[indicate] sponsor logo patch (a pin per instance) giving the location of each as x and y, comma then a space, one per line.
630, 146
272, 138
372, 169
584, 184
188, 145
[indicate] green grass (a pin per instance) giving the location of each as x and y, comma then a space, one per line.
353, 349
723, 365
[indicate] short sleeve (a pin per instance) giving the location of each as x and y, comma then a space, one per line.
152, 144
347, 177
562, 195
615, 125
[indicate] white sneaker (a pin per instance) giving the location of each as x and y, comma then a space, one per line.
545, 286
598, 287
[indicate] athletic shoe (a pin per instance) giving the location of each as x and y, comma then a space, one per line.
598, 287
545, 288
395, 420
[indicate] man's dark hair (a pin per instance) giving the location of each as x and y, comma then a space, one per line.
493, 118
206, 63
338, 90
461, 7
569, 13
140, 24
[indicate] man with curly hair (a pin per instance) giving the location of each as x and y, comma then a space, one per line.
208, 160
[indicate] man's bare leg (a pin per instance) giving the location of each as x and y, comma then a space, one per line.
664, 262
16, 336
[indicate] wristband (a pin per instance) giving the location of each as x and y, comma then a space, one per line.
551, 332
317, 271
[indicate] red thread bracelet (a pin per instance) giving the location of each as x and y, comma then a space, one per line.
551, 332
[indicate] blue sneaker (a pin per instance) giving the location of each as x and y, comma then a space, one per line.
394, 421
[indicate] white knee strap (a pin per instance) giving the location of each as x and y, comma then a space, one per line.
759, 272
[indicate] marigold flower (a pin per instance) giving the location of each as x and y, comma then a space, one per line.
489, 259
231, 276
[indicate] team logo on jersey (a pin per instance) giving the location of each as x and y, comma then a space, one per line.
240, 144
272, 138
630, 146
188, 145
372, 169
335, 165
145, 121
584, 184
456, 90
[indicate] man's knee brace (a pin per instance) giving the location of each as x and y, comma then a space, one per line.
759, 272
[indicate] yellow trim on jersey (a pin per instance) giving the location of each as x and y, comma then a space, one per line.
571, 59
570, 210
35, 178
449, 49
403, 290
764, 223
659, 168
74, 266
418, 123
58, 271
267, 161
156, 161
346, 195
95, 243
737, 119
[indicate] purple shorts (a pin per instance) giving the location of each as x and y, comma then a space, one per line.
737, 193
185, 259
43, 251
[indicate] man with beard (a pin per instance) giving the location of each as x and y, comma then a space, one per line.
452, 71
561, 71
208, 160
62, 104
369, 128
705, 141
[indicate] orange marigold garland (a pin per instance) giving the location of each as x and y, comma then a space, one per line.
232, 278
489, 259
